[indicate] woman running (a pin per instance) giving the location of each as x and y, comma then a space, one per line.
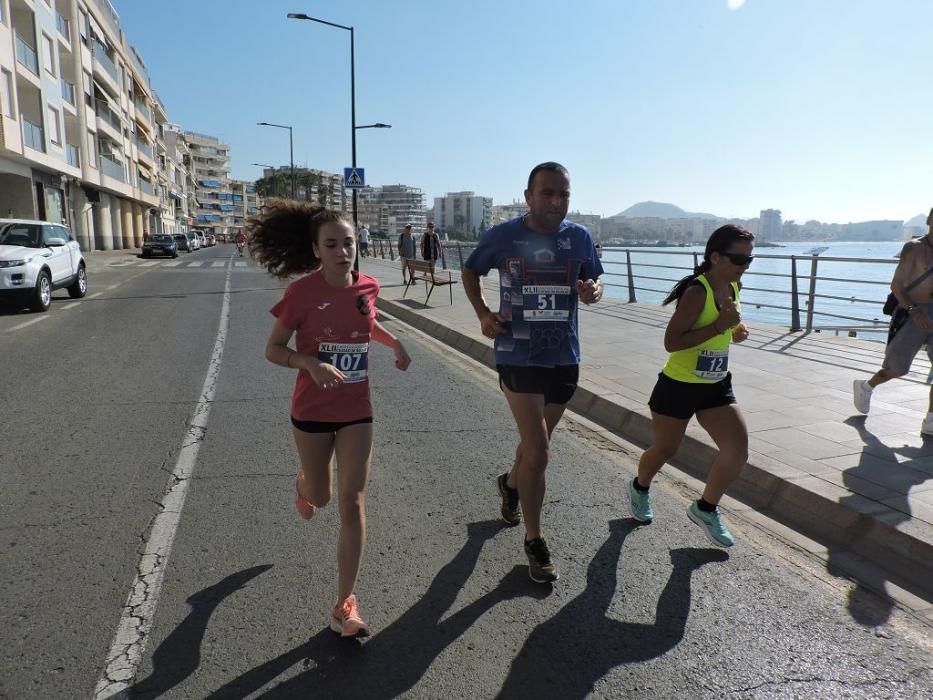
331, 311
696, 379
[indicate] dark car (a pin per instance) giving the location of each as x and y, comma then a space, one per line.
160, 244
181, 241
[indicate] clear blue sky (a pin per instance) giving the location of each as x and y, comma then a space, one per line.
820, 108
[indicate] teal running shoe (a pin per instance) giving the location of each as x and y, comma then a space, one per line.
712, 525
641, 503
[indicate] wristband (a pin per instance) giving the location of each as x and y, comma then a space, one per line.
911, 308
288, 360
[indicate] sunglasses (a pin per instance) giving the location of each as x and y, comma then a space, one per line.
738, 258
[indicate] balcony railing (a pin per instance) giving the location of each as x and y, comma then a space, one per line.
74, 157
112, 168
144, 147
64, 26
33, 135
104, 112
100, 54
68, 92
143, 109
146, 186
26, 55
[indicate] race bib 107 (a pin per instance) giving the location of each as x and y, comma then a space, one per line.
349, 358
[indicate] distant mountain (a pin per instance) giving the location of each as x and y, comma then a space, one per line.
662, 210
919, 221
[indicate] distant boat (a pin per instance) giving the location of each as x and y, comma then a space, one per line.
817, 250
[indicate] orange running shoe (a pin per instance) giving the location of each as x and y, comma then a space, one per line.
306, 509
345, 620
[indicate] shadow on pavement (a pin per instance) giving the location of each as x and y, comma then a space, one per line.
566, 655
395, 658
865, 605
179, 655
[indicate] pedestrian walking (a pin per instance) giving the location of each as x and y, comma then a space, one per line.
430, 244
696, 380
545, 265
406, 250
913, 286
364, 240
331, 312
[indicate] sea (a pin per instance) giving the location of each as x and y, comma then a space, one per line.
851, 283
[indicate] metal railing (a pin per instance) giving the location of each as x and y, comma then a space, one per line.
144, 147
100, 54
102, 109
801, 292
146, 186
33, 135
73, 155
26, 55
143, 108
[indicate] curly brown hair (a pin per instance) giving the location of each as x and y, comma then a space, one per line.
280, 237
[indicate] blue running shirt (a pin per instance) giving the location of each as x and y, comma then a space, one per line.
538, 273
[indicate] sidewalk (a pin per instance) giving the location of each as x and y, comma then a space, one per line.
855, 491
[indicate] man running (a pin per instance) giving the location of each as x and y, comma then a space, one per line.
545, 265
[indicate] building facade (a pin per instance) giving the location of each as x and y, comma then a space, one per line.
246, 202
464, 213
209, 163
769, 225
77, 133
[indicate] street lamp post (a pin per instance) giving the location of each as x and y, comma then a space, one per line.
291, 152
272, 168
353, 126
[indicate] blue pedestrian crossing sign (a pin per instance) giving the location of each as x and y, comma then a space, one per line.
353, 178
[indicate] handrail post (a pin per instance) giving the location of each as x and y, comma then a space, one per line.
631, 280
460, 254
812, 293
794, 303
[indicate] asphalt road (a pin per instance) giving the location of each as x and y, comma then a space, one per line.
97, 403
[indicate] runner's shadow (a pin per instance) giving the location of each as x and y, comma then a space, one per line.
864, 604
179, 655
565, 656
395, 658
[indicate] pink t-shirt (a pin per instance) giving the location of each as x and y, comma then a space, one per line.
334, 324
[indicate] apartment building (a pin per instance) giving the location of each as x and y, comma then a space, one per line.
246, 202
209, 162
77, 133
176, 186
507, 212
769, 225
463, 212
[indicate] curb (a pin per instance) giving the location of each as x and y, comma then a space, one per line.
837, 527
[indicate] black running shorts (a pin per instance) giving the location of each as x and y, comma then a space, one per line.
682, 399
316, 426
557, 384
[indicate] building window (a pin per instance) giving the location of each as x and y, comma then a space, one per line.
6, 91
55, 127
48, 54
2, 16
82, 27
92, 148
88, 94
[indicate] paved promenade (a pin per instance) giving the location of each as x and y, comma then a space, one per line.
856, 491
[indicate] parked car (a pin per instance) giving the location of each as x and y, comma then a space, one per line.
210, 239
202, 242
193, 242
160, 244
37, 257
182, 242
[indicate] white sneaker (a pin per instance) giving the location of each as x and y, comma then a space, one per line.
861, 397
926, 428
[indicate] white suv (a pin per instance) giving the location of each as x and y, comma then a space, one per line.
37, 257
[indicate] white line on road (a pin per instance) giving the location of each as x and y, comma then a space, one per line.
174, 263
136, 620
28, 323
96, 294
149, 263
240, 264
68, 306
194, 264
218, 263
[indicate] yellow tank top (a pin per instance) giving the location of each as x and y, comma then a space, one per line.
707, 362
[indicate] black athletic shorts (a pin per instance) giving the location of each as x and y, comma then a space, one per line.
683, 399
556, 383
317, 426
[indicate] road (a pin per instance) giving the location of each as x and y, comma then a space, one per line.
101, 404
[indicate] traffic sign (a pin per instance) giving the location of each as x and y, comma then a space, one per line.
353, 178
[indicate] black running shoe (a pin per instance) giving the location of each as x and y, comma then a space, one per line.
540, 568
511, 508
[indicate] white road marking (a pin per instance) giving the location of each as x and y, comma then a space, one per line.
174, 263
218, 263
149, 263
136, 620
96, 294
28, 323
239, 264
194, 264
68, 306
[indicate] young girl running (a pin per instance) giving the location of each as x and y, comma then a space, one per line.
332, 313
696, 379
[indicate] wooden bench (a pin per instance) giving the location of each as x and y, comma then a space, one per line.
423, 270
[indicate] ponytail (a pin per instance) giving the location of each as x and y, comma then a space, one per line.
681, 287
281, 237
